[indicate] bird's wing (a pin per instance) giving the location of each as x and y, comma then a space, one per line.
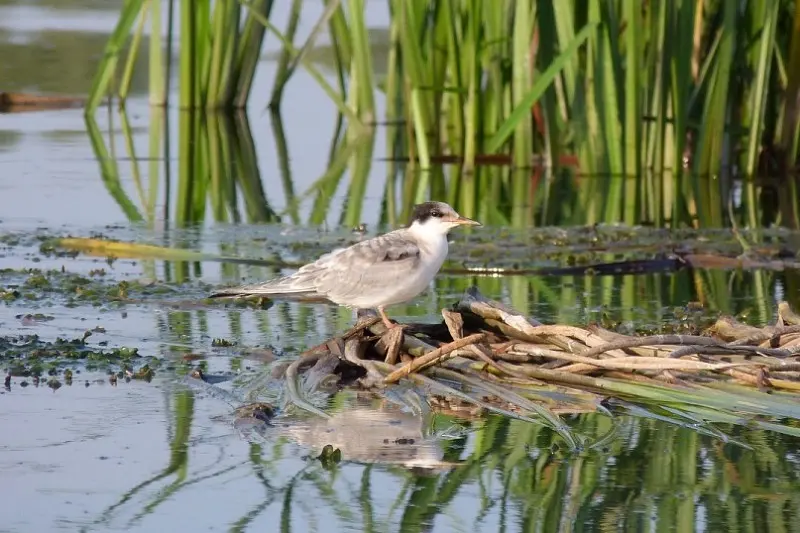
365, 268
368, 268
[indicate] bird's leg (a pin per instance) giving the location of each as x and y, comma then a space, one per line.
386, 322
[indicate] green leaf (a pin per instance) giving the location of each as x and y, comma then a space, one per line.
523, 109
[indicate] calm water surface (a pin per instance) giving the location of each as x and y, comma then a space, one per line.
167, 455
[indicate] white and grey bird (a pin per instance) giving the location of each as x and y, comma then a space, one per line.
375, 273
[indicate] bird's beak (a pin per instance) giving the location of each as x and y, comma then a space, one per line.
464, 221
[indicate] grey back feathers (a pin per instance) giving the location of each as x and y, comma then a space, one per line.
371, 266
383, 270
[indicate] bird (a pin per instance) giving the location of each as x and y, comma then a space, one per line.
374, 273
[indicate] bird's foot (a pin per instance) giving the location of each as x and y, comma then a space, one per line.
386, 322
391, 325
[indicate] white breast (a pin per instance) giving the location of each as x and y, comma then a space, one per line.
433, 252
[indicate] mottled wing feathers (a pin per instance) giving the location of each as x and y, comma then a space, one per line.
365, 271
360, 272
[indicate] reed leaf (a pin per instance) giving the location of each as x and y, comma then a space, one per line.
131, 11
540, 85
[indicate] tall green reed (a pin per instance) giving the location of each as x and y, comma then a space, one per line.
654, 99
639, 469
219, 48
640, 112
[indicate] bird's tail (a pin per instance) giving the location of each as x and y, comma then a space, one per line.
281, 288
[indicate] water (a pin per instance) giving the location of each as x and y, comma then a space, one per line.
171, 455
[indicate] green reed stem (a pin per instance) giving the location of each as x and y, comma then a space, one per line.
541, 84
283, 73
133, 54
248, 52
362, 62
521, 36
156, 134
156, 57
323, 83
188, 72
105, 72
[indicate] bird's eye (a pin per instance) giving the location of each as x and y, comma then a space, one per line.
436, 213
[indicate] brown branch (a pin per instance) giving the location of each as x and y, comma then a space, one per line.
432, 357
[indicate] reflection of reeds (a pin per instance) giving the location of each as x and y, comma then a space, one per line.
177, 467
518, 472
642, 468
217, 167
109, 170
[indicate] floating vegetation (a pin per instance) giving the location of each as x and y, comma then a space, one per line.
540, 251
487, 356
30, 356
72, 289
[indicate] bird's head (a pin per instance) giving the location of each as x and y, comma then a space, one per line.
437, 218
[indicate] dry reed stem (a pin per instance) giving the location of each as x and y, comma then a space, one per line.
768, 337
611, 336
744, 377
786, 316
292, 389
628, 376
455, 325
651, 340
513, 357
729, 329
641, 363
781, 366
569, 338
510, 322
411, 344
454, 322
789, 340
432, 357
730, 349
353, 352
771, 335
392, 341
530, 355
784, 384
359, 327
578, 368
485, 355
